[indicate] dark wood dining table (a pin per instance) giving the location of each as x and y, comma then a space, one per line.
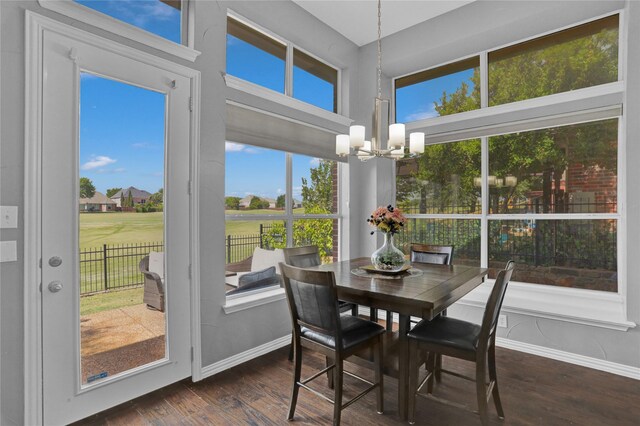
423, 295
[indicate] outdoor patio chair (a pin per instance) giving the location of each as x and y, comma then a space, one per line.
318, 326
463, 340
153, 280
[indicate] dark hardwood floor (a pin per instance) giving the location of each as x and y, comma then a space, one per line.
534, 391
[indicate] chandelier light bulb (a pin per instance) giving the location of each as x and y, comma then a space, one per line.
416, 143
342, 145
356, 136
396, 136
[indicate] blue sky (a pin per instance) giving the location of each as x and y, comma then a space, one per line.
122, 126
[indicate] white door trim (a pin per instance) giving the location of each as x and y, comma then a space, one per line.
35, 27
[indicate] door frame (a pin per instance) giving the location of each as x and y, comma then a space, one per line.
35, 27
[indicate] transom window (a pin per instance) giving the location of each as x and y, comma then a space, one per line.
579, 57
160, 17
262, 59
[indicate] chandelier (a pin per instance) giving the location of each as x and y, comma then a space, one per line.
355, 144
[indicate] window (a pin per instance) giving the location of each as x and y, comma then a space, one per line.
160, 17
440, 91
265, 210
255, 57
160, 24
552, 203
262, 59
314, 81
582, 56
579, 57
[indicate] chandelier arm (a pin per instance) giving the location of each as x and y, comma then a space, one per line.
379, 48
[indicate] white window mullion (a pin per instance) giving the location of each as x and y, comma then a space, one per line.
484, 79
484, 221
288, 204
288, 74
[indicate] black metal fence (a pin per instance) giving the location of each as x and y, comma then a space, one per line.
240, 247
113, 266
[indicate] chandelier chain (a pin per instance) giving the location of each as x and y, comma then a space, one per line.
379, 48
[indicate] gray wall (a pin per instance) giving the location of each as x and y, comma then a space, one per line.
484, 25
222, 335
464, 31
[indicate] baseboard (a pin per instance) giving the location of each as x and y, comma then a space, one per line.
245, 356
558, 355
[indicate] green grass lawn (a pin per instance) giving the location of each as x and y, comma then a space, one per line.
97, 229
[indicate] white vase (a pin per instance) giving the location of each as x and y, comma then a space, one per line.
388, 257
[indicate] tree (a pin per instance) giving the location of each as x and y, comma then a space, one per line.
158, 197
317, 195
112, 191
280, 201
87, 190
232, 203
257, 203
129, 200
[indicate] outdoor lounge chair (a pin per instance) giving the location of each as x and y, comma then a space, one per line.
153, 280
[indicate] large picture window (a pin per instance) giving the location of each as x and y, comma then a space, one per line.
274, 200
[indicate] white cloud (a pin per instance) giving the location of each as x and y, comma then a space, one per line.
97, 161
279, 191
238, 147
315, 162
111, 171
422, 114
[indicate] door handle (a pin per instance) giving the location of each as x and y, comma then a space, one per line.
55, 286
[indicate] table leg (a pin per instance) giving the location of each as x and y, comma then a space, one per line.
403, 364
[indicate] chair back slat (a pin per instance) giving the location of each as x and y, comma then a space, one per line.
302, 257
494, 304
431, 253
312, 297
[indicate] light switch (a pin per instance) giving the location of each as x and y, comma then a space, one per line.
8, 216
8, 251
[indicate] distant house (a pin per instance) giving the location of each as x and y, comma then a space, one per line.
98, 203
139, 196
246, 201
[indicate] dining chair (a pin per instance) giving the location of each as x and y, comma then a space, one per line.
464, 340
305, 257
318, 325
422, 253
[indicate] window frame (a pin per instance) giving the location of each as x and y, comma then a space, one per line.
484, 64
241, 301
590, 307
288, 77
184, 50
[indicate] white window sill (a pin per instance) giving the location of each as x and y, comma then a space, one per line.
269, 95
100, 20
588, 307
248, 301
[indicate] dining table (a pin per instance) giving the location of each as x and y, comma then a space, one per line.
422, 291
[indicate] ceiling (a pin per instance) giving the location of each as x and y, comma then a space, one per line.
357, 19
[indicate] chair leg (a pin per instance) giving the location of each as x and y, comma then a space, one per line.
378, 358
481, 390
373, 314
493, 377
354, 310
438, 367
337, 381
431, 366
297, 368
389, 320
328, 361
414, 361
291, 349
